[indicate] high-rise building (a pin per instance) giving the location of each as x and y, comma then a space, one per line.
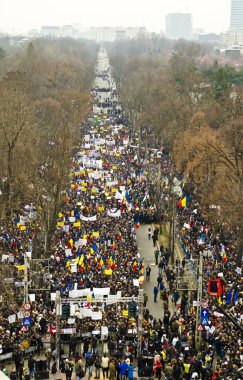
179, 25
236, 20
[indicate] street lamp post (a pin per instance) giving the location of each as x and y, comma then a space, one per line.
58, 320
26, 290
198, 334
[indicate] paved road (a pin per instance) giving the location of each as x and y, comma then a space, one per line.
146, 251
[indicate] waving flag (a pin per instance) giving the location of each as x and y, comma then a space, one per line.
127, 196
229, 296
236, 296
94, 247
184, 201
137, 223
134, 266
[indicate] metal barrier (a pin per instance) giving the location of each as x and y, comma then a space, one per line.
9, 356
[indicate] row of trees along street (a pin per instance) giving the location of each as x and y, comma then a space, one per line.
44, 96
193, 103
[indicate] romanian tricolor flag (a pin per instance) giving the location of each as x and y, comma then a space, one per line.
101, 262
137, 223
134, 266
141, 269
70, 243
184, 201
225, 258
68, 196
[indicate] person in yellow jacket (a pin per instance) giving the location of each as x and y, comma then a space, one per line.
163, 355
187, 370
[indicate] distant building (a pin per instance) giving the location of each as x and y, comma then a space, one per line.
121, 35
50, 31
100, 34
68, 31
110, 34
179, 25
232, 38
236, 19
232, 52
210, 38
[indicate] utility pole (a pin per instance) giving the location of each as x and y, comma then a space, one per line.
159, 191
58, 321
26, 292
198, 334
140, 321
173, 228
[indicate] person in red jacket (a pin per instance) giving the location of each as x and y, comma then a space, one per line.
158, 369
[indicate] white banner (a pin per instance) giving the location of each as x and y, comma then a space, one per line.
12, 318
88, 218
5, 257
68, 331
79, 293
119, 196
32, 297
53, 296
101, 291
86, 312
74, 268
80, 242
68, 252
96, 316
104, 330
116, 214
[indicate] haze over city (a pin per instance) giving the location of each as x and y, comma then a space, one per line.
212, 16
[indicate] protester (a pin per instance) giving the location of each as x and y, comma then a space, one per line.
148, 271
149, 233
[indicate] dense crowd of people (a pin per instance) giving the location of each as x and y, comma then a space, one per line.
95, 248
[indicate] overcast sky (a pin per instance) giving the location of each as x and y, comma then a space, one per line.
211, 15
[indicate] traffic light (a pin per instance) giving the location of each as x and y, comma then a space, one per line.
132, 310
65, 311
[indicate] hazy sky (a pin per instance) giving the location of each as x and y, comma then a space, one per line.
212, 15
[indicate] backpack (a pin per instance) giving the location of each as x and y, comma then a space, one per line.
97, 363
80, 372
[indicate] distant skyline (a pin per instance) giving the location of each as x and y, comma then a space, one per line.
210, 15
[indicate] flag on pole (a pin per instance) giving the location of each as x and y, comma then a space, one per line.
184, 201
